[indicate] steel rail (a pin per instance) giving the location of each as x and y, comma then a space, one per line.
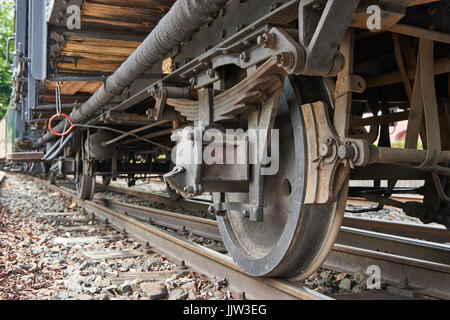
433, 233
370, 240
192, 205
375, 241
426, 265
426, 277
197, 257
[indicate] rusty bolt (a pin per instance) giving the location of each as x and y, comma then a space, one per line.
211, 73
329, 141
284, 60
245, 213
244, 57
212, 210
325, 150
267, 40
346, 151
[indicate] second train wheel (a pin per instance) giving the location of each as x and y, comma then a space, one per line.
85, 182
293, 239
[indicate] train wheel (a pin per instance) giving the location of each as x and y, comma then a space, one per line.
294, 239
85, 182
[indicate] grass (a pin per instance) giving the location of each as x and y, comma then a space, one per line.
401, 144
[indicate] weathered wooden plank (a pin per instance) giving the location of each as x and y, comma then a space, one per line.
91, 87
138, 3
93, 56
99, 49
72, 87
88, 66
133, 26
107, 42
122, 12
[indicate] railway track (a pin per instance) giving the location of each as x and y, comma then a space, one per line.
399, 257
264, 73
393, 246
435, 233
395, 251
197, 257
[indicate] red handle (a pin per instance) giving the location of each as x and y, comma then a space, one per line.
58, 116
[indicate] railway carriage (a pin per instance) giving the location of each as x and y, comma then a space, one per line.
291, 100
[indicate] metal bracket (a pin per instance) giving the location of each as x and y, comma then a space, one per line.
322, 24
8, 41
350, 83
246, 210
161, 93
325, 172
288, 54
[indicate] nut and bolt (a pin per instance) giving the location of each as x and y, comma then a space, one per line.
347, 152
193, 81
245, 213
329, 141
189, 189
284, 60
211, 72
326, 148
325, 151
267, 40
244, 57
212, 210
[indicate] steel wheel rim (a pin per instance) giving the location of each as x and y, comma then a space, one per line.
306, 233
85, 183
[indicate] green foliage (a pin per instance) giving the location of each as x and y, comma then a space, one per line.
401, 144
6, 31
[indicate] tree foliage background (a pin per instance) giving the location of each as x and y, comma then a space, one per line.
6, 31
